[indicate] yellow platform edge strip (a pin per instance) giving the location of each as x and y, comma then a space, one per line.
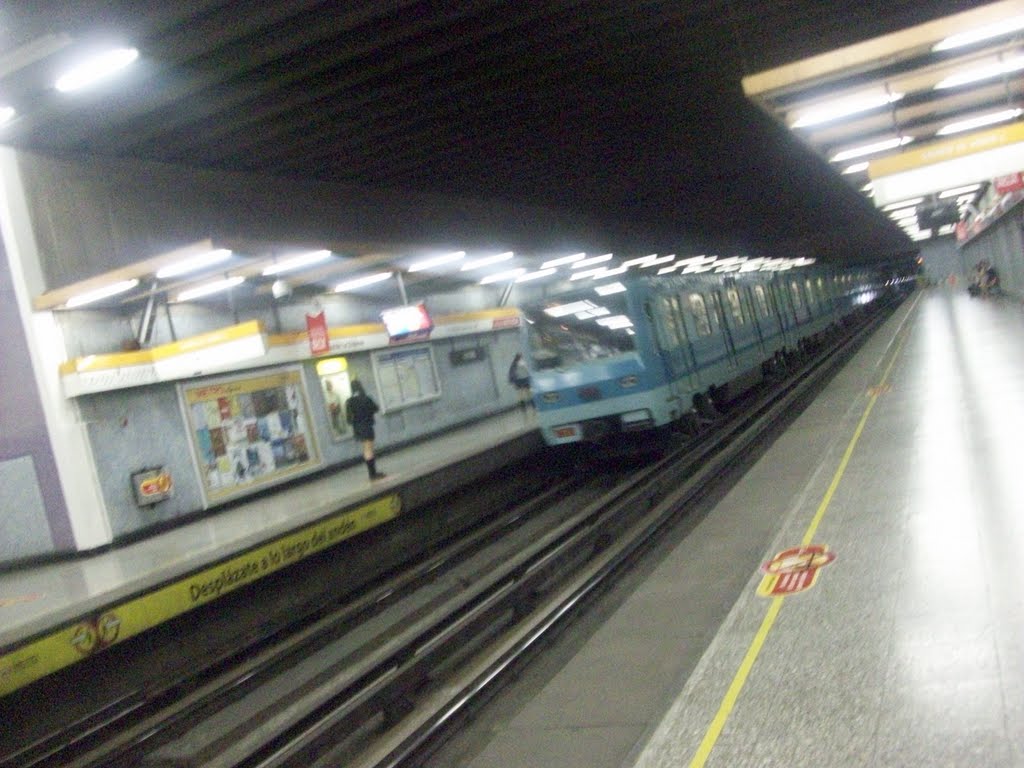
714, 730
114, 624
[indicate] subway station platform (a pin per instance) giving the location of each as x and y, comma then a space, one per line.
52, 614
856, 599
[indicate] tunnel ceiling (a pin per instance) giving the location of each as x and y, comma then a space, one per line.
628, 112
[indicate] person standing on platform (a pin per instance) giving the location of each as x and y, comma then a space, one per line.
519, 377
333, 407
359, 412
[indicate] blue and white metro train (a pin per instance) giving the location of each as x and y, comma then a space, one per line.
635, 353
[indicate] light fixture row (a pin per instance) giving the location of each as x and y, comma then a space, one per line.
86, 73
581, 268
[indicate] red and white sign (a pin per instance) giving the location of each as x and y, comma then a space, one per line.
316, 329
793, 570
1009, 183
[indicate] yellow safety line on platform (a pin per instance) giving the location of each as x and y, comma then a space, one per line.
740, 679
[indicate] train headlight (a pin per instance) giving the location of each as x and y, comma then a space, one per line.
589, 393
550, 397
629, 381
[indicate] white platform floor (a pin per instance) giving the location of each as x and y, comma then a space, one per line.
38, 598
907, 651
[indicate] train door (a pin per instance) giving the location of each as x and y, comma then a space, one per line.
705, 348
798, 302
728, 340
763, 317
670, 339
743, 330
782, 308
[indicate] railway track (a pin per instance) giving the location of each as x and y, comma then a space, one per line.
380, 681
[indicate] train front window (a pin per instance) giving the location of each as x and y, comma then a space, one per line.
573, 330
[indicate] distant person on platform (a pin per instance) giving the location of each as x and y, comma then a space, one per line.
359, 412
519, 377
333, 407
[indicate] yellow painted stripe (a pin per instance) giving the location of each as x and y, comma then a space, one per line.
60, 649
740, 678
948, 149
344, 332
207, 340
162, 351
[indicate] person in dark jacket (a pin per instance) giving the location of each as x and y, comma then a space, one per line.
519, 377
359, 412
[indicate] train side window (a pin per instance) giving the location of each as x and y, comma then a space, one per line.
761, 301
794, 290
700, 314
732, 297
809, 287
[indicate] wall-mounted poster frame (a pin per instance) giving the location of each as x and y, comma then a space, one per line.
248, 431
405, 376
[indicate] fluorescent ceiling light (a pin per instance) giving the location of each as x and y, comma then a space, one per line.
360, 282
697, 260
728, 268
448, 258
560, 310
615, 321
979, 122
563, 260
595, 312
6, 115
486, 261
696, 269
834, 110
803, 261
998, 29
903, 213
591, 261
870, 149
868, 187
957, 191
642, 261
924, 234
101, 293
605, 272
583, 274
194, 263
297, 262
95, 69
536, 275
656, 261
609, 288
207, 288
730, 261
498, 277
982, 73
856, 168
903, 203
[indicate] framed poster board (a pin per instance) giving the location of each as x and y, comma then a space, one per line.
405, 376
248, 431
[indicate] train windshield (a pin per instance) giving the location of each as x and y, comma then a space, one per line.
574, 329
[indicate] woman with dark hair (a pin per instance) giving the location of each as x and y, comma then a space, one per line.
359, 412
519, 377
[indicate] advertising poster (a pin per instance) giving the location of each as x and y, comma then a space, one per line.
248, 431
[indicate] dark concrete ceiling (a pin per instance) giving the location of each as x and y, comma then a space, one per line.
629, 112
